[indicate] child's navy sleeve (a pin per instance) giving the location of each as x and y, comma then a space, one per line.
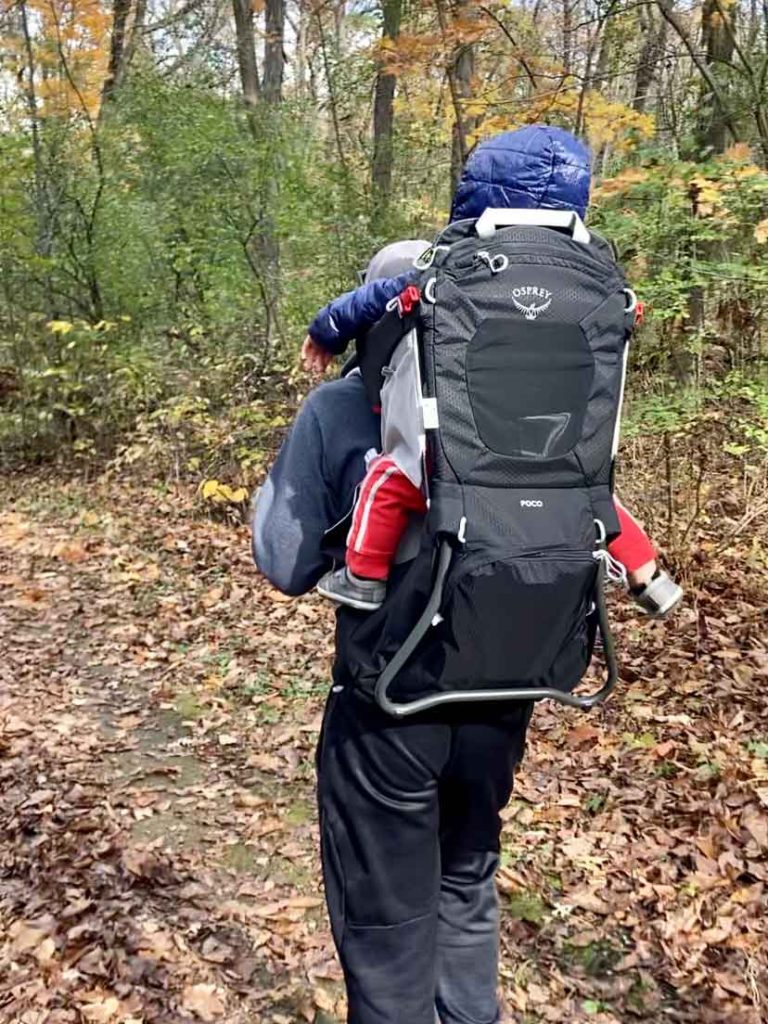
354, 312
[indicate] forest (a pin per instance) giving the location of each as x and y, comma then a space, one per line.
183, 183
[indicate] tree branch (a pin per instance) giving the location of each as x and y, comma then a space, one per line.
672, 19
523, 62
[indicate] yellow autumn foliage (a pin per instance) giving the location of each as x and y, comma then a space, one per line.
219, 493
59, 326
71, 52
620, 182
607, 122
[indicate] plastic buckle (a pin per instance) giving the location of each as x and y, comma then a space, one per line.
461, 534
639, 314
602, 533
408, 299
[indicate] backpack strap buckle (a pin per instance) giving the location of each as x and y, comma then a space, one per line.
634, 311
408, 299
434, 252
405, 302
496, 263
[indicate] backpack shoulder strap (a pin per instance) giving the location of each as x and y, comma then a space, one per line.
376, 347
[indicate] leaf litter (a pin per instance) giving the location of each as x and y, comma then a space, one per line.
159, 706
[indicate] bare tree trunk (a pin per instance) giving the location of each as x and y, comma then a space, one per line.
651, 52
717, 30
137, 30
568, 6
44, 239
300, 58
339, 14
261, 245
127, 26
702, 64
596, 37
463, 69
332, 98
88, 216
606, 51
460, 72
754, 73
713, 130
272, 95
274, 53
383, 119
116, 68
246, 52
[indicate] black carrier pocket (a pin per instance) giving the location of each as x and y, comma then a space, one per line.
519, 619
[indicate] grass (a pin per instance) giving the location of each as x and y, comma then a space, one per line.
239, 857
595, 958
187, 707
527, 906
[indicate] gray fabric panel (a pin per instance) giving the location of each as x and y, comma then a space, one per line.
604, 329
534, 518
402, 426
410, 542
539, 518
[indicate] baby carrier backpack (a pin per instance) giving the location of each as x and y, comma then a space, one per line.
502, 373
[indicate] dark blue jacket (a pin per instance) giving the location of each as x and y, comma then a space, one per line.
537, 167
312, 484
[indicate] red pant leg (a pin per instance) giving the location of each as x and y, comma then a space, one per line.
386, 498
633, 546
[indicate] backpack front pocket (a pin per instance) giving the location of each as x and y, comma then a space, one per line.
519, 619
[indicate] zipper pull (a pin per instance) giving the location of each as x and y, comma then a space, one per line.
496, 263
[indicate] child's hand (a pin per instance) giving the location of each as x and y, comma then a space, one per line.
314, 358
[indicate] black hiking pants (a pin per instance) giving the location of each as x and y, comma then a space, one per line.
409, 823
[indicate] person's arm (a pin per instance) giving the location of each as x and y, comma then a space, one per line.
294, 509
354, 312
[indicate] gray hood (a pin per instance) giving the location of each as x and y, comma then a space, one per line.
395, 259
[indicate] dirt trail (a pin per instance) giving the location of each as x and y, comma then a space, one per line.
158, 855
159, 706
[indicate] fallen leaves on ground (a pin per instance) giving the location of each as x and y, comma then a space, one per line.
159, 705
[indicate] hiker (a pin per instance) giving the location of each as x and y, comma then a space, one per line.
409, 809
409, 812
391, 493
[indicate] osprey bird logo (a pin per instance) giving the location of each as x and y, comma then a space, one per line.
541, 301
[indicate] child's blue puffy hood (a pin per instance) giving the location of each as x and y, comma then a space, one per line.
531, 168
534, 167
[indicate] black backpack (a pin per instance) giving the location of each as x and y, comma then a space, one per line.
522, 327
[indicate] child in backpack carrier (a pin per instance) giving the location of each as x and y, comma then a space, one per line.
391, 493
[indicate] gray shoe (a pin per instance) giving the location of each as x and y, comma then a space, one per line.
660, 597
344, 587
